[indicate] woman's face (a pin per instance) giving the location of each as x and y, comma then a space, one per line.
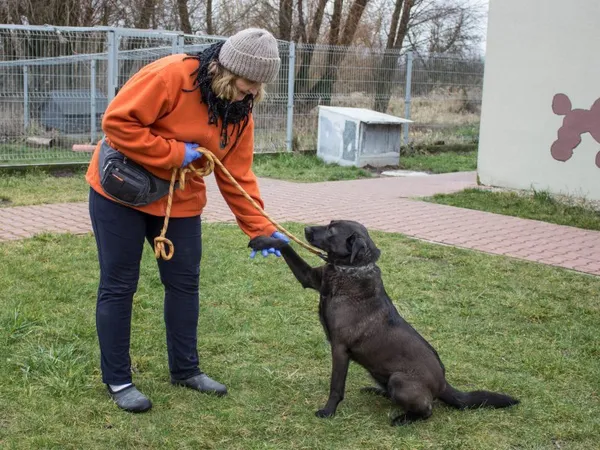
246, 87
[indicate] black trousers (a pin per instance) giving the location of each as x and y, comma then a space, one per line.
120, 233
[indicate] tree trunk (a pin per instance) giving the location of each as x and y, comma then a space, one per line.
387, 70
209, 19
301, 84
323, 89
301, 31
145, 15
184, 16
391, 40
105, 13
336, 22
324, 86
286, 9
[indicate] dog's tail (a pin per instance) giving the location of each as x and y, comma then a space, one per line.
475, 399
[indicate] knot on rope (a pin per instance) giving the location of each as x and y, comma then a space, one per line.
160, 245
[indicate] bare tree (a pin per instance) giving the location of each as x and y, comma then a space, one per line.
321, 91
143, 20
184, 16
449, 27
336, 19
54, 12
306, 55
389, 60
300, 34
286, 10
209, 17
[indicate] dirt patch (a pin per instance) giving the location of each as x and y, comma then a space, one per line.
376, 171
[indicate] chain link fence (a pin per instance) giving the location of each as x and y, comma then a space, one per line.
56, 82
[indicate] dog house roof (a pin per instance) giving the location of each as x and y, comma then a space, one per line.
365, 115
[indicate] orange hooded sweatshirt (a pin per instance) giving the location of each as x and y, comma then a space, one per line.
149, 121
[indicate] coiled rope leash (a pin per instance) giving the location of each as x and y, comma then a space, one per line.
161, 243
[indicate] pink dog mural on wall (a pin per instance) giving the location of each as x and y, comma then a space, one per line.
575, 123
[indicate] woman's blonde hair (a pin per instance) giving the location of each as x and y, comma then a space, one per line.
223, 83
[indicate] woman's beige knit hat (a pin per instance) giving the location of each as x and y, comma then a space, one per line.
252, 54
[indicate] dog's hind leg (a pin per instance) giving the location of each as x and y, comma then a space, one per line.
414, 398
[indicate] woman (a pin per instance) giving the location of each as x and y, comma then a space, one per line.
154, 124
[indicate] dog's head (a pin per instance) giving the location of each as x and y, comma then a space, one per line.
346, 243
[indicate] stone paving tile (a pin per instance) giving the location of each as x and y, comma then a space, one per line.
385, 204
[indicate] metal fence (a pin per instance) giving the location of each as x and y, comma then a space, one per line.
56, 82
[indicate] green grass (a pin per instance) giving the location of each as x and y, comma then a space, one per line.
537, 205
443, 148
287, 166
522, 328
16, 154
442, 162
303, 168
468, 132
37, 186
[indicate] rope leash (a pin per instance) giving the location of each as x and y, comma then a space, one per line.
163, 247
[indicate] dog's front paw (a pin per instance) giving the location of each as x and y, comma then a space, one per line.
264, 243
323, 413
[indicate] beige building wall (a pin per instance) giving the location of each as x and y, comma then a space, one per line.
540, 122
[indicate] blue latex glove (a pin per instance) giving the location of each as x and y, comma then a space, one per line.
190, 154
267, 252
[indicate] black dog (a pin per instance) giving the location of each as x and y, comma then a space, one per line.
363, 325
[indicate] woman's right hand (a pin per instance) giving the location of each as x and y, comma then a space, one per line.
191, 153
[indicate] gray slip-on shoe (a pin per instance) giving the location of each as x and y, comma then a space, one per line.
202, 383
130, 399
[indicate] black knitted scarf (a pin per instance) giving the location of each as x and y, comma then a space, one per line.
236, 113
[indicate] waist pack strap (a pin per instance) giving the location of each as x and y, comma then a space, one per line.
126, 181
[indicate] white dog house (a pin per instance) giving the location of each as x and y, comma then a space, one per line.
359, 137
540, 121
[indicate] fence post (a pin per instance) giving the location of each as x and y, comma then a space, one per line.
26, 98
407, 98
178, 44
113, 63
290, 97
93, 101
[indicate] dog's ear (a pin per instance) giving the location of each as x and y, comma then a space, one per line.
376, 254
359, 247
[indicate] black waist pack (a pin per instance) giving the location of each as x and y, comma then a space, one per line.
126, 181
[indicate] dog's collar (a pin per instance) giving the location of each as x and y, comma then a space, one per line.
366, 268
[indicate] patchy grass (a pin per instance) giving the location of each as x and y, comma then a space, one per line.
17, 154
36, 186
442, 162
427, 149
522, 328
303, 167
538, 205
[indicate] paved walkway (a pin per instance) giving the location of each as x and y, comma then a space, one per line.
385, 204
